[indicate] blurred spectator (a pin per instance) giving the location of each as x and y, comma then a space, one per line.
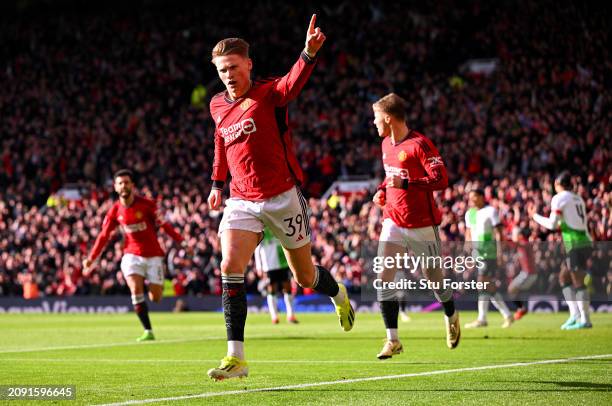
86, 92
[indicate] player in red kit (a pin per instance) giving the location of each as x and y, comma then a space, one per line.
138, 218
414, 169
253, 143
528, 275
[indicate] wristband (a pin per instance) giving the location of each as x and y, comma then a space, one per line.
307, 58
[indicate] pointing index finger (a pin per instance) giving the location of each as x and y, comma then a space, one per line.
311, 26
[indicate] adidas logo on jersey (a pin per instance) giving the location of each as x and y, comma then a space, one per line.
435, 160
300, 238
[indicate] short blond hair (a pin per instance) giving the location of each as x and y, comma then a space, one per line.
392, 104
229, 46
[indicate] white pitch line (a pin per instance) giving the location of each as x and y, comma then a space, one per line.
78, 347
191, 361
355, 380
85, 346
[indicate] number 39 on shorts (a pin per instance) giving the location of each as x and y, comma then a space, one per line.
294, 224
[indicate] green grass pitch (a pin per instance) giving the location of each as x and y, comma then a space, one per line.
98, 354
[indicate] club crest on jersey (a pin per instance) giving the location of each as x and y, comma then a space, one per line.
138, 215
246, 104
402, 156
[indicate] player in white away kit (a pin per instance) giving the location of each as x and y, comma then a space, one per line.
484, 229
568, 212
270, 258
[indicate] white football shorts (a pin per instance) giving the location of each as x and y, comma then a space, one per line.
421, 241
286, 215
152, 269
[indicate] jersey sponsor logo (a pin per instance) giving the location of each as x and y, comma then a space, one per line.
402, 156
133, 228
246, 104
435, 161
236, 130
395, 171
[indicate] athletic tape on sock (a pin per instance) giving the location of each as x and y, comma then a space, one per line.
137, 299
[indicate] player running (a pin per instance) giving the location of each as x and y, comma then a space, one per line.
270, 258
483, 228
252, 141
414, 169
143, 258
528, 275
568, 212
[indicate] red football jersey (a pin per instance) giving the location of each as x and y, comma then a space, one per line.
252, 137
414, 158
139, 223
526, 257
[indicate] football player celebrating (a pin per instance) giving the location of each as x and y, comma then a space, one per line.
143, 258
253, 143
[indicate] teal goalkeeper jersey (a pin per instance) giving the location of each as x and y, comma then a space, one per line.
269, 254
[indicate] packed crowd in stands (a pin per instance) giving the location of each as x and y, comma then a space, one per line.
86, 92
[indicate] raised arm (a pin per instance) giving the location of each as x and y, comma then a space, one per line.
289, 86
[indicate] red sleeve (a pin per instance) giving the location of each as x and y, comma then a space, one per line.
220, 168
383, 186
161, 222
437, 177
108, 226
289, 86
172, 232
